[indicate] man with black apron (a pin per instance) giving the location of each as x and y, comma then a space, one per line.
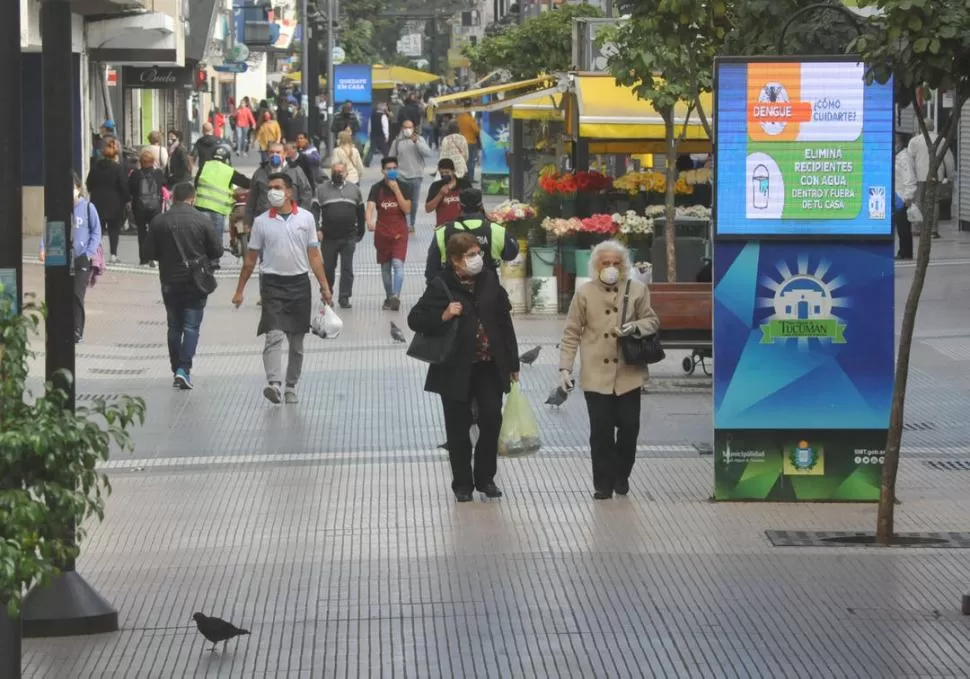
284, 241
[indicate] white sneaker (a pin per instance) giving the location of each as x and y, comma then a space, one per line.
272, 393
290, 397
114, 259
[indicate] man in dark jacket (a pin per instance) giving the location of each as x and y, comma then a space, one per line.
410, 111
345, 119
258, 202
175, 237
380, 130
205, 147
342, 226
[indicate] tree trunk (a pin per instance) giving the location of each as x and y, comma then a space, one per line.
10, 644
670, 231
887, 493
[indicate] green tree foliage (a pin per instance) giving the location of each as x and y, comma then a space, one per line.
665, 53
757, 24
48, 458
542, 44
918, 43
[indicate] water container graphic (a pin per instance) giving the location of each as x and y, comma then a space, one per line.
760, 187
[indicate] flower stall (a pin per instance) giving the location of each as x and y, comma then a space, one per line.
520, 219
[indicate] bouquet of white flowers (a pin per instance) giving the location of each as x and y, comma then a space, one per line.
630, 223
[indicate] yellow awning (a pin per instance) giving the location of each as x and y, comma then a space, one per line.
545, 107
389, 77
513, 93
607, 111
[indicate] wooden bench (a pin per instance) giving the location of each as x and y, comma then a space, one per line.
685, 311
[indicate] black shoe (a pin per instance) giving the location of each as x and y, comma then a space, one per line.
602, 495
387, 304
622, 487
904, 258
490, 490
345, 303
395, 303
463, 495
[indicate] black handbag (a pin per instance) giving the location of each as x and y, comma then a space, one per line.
200, 273
639, 351
435, 349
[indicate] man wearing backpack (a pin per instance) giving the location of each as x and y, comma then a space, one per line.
145, 187
214, 193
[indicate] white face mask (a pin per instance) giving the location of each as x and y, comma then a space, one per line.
610, 275
407, 131
474, 264
276, 197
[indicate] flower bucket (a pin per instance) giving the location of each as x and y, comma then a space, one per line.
544, 296
567, 254
543, 261
597, 204
582, 263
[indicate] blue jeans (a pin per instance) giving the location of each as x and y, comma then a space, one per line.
393, 275
242, 139
184, 307
414, 183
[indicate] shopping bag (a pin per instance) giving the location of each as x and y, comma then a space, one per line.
326, 324
519, 435
914, 214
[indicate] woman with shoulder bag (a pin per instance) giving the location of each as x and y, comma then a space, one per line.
346, 154
480, 365
596, 326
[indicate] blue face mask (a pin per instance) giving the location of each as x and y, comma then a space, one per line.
392, 175
275, 161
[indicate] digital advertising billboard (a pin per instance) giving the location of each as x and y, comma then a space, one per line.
803, 149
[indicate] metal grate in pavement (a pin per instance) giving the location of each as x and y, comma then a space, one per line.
96, 397
949, 465
137, 345
789, 538
118, 371
919, 426
152, 322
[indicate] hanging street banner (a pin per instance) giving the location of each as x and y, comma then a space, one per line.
804, 148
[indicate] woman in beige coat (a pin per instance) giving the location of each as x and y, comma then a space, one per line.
612, 388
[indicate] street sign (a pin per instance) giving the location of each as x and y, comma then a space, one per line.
339, 55
238, 52
231, 67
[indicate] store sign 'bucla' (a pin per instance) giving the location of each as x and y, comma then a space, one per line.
155, 78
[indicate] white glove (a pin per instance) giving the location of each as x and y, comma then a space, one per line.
566, 380
627, 329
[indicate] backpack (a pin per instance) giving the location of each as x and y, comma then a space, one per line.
149, 193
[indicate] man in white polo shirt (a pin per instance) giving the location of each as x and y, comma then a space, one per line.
284, 241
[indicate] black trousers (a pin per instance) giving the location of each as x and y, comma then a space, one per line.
113, 227
486, 391
904, 232
82, 275
142, 221
614, 426
344, 249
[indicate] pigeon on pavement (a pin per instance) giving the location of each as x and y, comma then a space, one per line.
557, 397
530, 356
396, 333
216, 629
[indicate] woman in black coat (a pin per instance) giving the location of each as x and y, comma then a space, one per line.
482, 365
107, 186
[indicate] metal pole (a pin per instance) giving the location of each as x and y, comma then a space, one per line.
305, 58
312, 70
330, 76
69, 605
11, 179
11, 251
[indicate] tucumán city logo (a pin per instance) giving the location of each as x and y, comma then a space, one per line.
803, 306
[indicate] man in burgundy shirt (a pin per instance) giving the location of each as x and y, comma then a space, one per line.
444, 196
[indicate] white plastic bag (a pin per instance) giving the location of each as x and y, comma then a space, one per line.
643, 272
914, 214
326, 324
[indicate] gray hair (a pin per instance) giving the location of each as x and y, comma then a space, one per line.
613, 247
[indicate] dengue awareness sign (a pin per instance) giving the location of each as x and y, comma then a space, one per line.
803, 149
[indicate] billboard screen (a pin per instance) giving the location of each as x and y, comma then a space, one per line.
804, 149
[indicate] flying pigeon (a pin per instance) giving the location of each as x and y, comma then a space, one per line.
396, 333
216, 629
557, 397
530, 356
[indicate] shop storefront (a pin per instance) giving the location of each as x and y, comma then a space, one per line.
155, 98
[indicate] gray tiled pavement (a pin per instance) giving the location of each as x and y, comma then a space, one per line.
328, 529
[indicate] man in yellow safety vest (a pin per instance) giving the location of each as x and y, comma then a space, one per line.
497, 243
214, 192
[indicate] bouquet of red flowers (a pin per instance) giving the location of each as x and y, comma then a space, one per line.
567, 185
548, 183
601, 224
593, 182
